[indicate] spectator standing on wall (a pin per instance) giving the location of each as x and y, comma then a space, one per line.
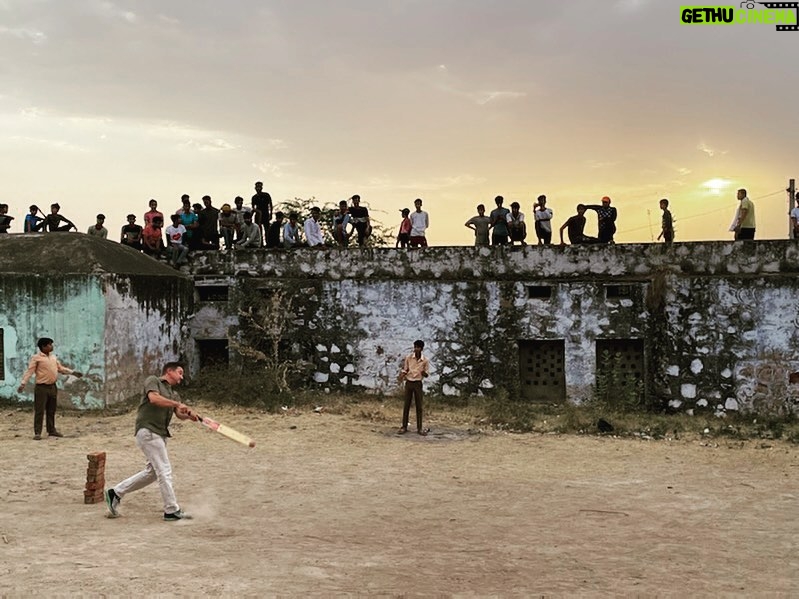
543, 221
291, 232
341, 220
313, 230
34, 223
794, 213
666, 223
46, 368
153, 213
131, 233
262, 207
480, 224
359, 216
98, 229
744, 222
209, 225
240, 210
190, 220
415, 368
606, 215
404, 234
53, 220
499, 223
5, 220
273, 234
517, 228
420, 221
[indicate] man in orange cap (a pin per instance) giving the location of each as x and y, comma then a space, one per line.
607, 220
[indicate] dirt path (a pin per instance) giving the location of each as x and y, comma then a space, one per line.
332, 505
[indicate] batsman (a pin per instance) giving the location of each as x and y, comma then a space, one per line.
158, 403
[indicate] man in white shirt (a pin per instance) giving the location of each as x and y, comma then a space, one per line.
543, 221
420, 221
176, 233
250, 233
313, 231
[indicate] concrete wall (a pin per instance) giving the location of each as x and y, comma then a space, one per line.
717, 320
113, 329
71, 311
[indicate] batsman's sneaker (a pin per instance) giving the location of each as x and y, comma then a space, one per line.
179, 515
112, 501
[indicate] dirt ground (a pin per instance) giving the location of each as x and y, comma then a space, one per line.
336, 505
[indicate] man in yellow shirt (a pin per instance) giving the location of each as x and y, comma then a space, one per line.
745, 220
414, 369
46, 367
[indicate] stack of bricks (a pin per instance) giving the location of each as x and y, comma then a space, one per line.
95, 478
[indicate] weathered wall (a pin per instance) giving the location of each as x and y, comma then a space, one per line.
71, 311
144, 328
716, 320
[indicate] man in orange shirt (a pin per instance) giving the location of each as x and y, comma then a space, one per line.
414, 369
46, 367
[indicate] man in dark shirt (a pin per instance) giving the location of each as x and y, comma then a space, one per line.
209, 225
262, 205
5, 220
607, 220
158, 403
666, 223
53, 220
359, 217
131, 233
499, 223
576, 226
273, 234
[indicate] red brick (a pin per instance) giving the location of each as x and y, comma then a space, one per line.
96, 456
95, 486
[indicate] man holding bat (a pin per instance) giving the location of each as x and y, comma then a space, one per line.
158, 403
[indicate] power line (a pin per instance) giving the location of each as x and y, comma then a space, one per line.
717, 210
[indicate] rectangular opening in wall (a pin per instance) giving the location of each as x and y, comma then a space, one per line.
213, 352
2, 358
620, 372
539, 292
618, 291
542, 366
213, 293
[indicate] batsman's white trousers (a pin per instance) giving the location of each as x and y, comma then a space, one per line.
158, 468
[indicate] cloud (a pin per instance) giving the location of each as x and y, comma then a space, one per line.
684, 171
711, 152
595, 164
58, 144
275, 169
24, 33
483, 98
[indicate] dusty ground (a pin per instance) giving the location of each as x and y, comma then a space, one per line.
334, 505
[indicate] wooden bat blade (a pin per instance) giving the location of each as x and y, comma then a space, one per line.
229, 432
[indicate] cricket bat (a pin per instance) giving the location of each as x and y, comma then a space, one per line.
230, 433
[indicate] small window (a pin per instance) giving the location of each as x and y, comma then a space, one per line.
2, 358
213, 293
541, 292
618, 291
213, 352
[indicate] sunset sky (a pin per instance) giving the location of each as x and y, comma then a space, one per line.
104, 105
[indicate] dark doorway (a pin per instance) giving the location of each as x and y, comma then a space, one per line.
620, 371
213, 352
542, 366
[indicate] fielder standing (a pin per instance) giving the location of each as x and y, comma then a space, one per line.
46, 368
415, 368
158, 403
